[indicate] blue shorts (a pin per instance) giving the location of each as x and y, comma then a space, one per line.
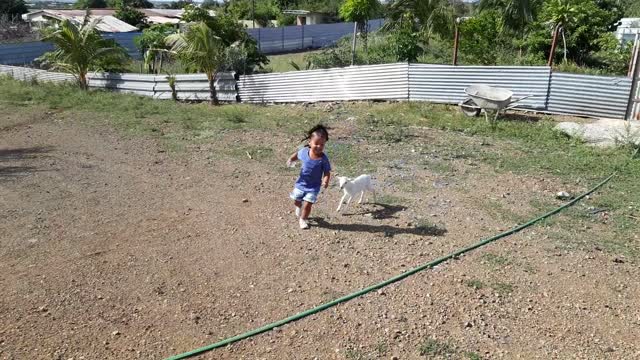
308, 196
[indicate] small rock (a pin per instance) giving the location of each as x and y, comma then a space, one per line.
245, 200
468, 324
563, 195
618, 260
115, 333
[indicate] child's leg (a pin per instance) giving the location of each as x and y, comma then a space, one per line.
298, 205
306, 210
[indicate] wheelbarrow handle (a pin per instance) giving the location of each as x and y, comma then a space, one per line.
511, 106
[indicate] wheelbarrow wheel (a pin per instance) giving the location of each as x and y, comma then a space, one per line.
469, 108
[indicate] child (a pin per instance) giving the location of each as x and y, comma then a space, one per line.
315, 172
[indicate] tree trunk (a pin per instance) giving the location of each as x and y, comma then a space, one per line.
212, 89
82, 79
564, 43
554, 42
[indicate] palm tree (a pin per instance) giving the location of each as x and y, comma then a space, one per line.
80, 49
516, 14
200, 49
560, 13
430, 16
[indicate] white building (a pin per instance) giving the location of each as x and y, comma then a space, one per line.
304, 17
627, 29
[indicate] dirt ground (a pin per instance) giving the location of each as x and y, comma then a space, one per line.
113, 248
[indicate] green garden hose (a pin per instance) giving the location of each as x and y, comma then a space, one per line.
387, 282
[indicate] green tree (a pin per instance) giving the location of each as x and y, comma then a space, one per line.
561, 13
633, 9
208, 5
90, 4
266, 11
515, 14
578, 24
481, 40
13, 8
200, 49
194, 13
137, 4
429, 17
239, 9
227, 28
405, 42
360, 11
80, 49
131, 16
153, 47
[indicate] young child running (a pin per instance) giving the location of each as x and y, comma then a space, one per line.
314, 173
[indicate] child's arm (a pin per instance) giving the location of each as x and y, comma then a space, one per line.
292, 158
325, 179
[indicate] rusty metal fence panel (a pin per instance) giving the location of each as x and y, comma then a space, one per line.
446, 83
589, 95
370, 82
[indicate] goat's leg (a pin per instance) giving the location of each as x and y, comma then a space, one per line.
361, 197
341, 201
348, 201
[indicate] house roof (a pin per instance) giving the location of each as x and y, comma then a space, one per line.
107, 23
154, 16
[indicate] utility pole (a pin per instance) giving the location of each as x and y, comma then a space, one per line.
456, 40
634, 97
253, 12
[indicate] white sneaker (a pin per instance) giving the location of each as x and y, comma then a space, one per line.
303, 224
297, 212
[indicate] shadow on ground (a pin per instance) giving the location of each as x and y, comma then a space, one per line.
6, 155
384, 212
519, 117
388, 231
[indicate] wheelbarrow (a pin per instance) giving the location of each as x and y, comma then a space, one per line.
486, 98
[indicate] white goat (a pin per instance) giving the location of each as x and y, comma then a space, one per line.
352, 187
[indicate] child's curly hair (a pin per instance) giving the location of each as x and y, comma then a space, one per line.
319, 130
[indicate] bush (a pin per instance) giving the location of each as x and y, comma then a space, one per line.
286, 20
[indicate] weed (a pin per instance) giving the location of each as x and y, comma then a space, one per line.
475, 284
354, 354
496, 260
502, 288
433, 347
472, 355
381, 348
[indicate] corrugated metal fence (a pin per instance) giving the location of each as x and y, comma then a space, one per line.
446, 83
571, 94
596, 96
372, 82
188, 87
23, 53
270, 41
293, 38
